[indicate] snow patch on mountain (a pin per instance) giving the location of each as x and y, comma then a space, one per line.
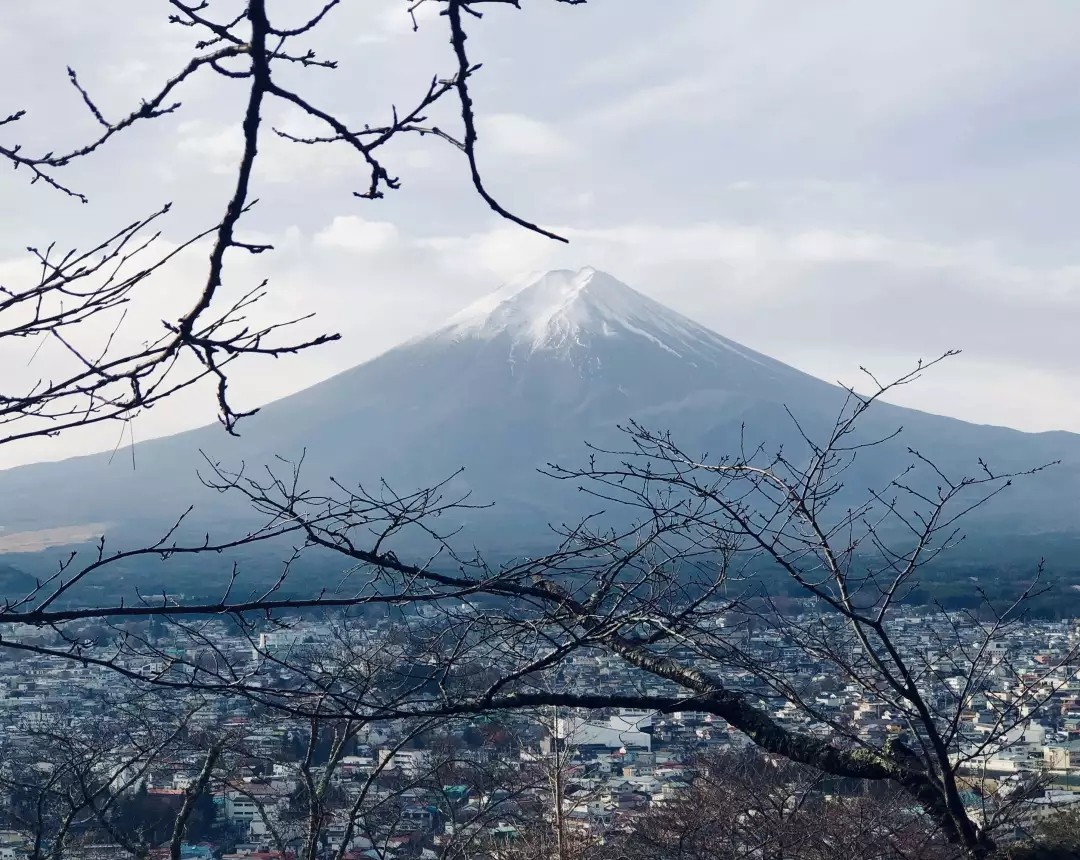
546, 310
564, 311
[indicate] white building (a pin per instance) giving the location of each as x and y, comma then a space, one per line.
409, 762
626, 729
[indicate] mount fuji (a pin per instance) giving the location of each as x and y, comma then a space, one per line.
519, 379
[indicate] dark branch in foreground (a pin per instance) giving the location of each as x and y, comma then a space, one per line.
79, 308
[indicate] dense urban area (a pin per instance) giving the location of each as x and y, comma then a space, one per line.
104, 766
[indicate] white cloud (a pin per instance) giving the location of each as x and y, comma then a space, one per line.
128, 72
397, 20
415, 158
494, 255
217, 149
517, 135
358, 235
685, 99
971, 386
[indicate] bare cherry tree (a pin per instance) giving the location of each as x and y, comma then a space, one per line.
88, 305
79, 305
71, 777
710, 540
748, 805
670, 597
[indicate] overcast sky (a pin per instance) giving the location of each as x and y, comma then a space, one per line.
834, 183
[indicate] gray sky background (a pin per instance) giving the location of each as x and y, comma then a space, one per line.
835, 184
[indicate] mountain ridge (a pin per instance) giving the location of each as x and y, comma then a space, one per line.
521, 378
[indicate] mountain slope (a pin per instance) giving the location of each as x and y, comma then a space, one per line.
519, 379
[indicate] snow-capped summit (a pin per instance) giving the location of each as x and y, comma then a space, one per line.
562, 310
546, 309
